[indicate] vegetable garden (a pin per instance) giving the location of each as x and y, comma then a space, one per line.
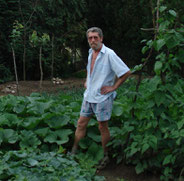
37, 132
147, 126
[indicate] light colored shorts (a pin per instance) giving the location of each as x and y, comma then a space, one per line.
102, 110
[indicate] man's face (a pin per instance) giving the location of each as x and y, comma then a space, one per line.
94, 40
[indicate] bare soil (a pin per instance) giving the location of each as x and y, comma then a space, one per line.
112, 172
28, 87
124, 172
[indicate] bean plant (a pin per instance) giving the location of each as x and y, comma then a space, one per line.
151, 132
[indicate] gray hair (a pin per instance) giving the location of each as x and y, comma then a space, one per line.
95, 29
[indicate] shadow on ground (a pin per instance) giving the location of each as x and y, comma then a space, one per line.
114, 172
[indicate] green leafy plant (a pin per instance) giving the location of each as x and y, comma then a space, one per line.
29, 165
151, 131
35, 126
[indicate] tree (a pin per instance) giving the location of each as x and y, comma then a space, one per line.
26, 19
15, 36
7, 18
39, 41
64, 22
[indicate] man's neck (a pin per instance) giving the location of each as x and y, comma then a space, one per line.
98, 50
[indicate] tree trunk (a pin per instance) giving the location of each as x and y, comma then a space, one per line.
24, 56
52, 64
15, 68
41, 70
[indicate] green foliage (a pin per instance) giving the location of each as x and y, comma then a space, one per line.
29, 165
67, 21
80, 74
59, 19
151, 133
16, 32
147, 124
37, 40
148, 133
168, 44
40, 129
152, 138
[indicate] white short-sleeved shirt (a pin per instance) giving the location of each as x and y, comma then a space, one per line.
106, 67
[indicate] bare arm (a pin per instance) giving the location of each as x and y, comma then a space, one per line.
85, 83
120, 80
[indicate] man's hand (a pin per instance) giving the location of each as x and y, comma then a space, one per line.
119, 81
107, 89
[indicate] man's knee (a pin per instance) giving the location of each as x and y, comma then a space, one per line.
103, 127
82, 123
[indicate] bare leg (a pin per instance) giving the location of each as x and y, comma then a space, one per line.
80, 131
105, 134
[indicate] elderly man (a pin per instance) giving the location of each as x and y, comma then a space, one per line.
102, 69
